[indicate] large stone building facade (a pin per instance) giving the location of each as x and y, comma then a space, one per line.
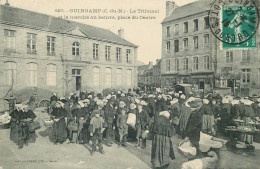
191, 53
37, 50
187, 52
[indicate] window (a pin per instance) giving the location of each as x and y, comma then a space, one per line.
128, 56
206, 62
9, 73
129, 77
75, 72
245, 55
229, 56
186, 27
96, 72
206, 40
107, 53
118, 55
176, 45
176, 68
176, 29
51, 75
195, 63
195, 42
246, 75
31, 43
95, 51
185, 43
119, 77
168, 31
32, 74
108, 77
9, 39
168, 65
75, 49
206, 22
168, 45
185, 63
51, 46
196, 25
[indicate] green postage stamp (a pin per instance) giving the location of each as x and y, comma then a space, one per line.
234, 23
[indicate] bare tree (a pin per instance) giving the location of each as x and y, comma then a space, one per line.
232, 73
67, 78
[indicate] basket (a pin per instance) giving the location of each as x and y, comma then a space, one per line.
48, 123
186, 154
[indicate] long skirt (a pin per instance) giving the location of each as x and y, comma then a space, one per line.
59, 132
247, 137
23, 134
14, 132
162, 150
184, 118
207, 123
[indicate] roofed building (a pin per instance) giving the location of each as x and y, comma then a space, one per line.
38, 50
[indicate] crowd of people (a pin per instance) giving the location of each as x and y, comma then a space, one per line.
123, 115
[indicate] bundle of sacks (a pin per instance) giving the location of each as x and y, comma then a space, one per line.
203, 163
186, 148
5, 118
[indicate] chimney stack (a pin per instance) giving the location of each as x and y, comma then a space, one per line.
121, 32
170, 6
150, 65
7, 3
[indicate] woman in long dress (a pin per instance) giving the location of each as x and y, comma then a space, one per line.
162, 149
59, 131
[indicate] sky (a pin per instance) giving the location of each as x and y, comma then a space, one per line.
146, 33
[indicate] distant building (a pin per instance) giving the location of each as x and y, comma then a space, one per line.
142, 80
38, 50
157, 73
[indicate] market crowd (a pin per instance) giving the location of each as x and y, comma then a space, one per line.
117, 116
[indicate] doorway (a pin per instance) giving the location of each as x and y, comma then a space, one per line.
78, 82
77, 74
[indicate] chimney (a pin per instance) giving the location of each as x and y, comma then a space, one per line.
121, 32
150, 65
7, 3
170, 6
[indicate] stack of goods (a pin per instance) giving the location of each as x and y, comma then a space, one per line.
5, 118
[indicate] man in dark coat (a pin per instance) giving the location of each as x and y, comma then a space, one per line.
110, 113
142, 121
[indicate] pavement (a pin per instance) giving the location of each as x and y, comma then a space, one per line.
45, 155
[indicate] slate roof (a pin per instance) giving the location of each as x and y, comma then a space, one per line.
43, 21
188, 9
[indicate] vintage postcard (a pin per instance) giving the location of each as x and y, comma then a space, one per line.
132, 84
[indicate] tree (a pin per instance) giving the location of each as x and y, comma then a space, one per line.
67, 79
232, 73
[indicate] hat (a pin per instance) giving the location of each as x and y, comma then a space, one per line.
176, 94
96, 112
248, 102
99, 103
123, 94
54, 94
258, 100
90, 96
108, 97
180, 92
62, 104
122, 104
143, 103
174, 100
205, 101
81, 104
164, 113
235, 102
137, 101
132, 106
86, 101
182, 96
190, 99
225, 100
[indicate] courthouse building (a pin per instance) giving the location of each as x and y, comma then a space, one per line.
38, 50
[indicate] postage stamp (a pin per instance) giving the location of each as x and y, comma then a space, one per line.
234, 23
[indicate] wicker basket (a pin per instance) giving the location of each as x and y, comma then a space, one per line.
48, 123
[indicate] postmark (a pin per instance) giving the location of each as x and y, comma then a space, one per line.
234, 23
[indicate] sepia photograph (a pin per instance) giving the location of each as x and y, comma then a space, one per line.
132, 84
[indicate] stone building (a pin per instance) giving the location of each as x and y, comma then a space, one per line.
142, 73
157, 73
191, 53
188, 53
38, 50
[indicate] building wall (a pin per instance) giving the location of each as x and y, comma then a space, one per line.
63, 56
172, 75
